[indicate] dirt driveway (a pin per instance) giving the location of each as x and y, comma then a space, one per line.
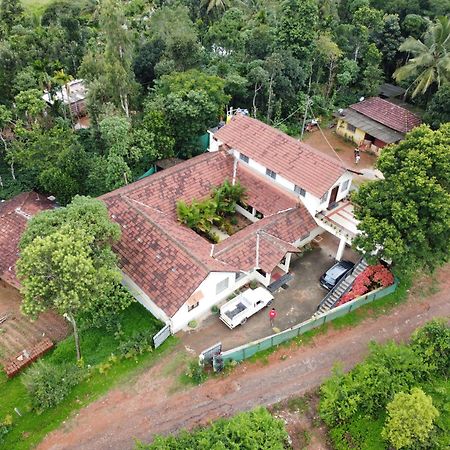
294, 305
148, 404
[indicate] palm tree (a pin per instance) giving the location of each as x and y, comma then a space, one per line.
431, 58
215, 5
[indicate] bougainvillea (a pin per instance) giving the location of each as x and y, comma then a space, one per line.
373, 277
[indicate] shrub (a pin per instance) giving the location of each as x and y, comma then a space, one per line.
5, 427
196, 372
254, 430
215, 309
432, 343
48, 385
192, 324
410, 419
373, 277
233, 220
138, 344
372, 384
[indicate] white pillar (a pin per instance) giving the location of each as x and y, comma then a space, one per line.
340, 250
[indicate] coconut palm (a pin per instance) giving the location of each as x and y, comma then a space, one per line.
64, 79
431, 58
215, 5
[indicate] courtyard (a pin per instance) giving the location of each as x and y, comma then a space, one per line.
294, 305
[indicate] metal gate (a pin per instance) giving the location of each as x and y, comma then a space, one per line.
206, 356
161, 336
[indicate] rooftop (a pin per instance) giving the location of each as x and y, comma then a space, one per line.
14, 216
168, 260
393, 116
76, 92
294, 160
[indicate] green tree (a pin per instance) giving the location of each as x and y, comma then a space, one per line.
372, 75
66, 261
438, 109
405, 218
11, 12
51, 159
30, 104
410, 419
108, 70
190, 102
215, 5
297, 29
431, 58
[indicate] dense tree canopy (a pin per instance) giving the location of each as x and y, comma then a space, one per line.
66, 262
405, 218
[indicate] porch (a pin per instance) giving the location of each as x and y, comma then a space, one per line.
339, 221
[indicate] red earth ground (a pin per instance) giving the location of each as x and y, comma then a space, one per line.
150, 405
18, 332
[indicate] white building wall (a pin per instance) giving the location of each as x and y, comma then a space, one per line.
208, 287
144, 299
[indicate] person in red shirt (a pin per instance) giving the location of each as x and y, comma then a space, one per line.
272, 315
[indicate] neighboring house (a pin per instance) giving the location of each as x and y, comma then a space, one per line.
72, 95
177, 274
14, 216
373, 123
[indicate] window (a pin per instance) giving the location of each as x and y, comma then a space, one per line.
261, 272
191, 307
244, 157
324, 197
221, 286
240, 275
259, 215
299, 190
351, 128
345, 185
271, 173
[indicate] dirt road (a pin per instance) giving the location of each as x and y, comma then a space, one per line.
148, 407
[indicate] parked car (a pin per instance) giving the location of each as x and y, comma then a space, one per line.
239, 309
335, 274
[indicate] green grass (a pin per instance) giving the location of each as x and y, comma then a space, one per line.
96, 346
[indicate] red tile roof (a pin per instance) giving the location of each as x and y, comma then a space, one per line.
277, 234
265, 196
14, 216
387, 113
295, 161
168, 260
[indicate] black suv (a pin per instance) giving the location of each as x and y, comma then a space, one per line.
334, 274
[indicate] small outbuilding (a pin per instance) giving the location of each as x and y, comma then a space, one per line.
374, 123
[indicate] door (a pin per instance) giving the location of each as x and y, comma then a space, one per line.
333, 197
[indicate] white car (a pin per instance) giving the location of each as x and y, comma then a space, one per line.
239, 309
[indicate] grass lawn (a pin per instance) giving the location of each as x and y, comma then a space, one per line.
96, 346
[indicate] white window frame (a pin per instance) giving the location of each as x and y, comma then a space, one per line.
271, 174
299, 190
244, 158
324, 198
345, 185
222, 285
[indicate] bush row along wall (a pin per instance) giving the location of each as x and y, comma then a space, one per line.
248, 350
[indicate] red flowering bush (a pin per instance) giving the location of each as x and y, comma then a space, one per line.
373, 277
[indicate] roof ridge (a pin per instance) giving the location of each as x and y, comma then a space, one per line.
129, 201
244, 236
302, 145
129, 188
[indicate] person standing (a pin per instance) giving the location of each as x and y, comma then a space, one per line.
272, 315
357, 156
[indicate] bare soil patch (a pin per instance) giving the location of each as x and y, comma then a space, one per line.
18, 332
